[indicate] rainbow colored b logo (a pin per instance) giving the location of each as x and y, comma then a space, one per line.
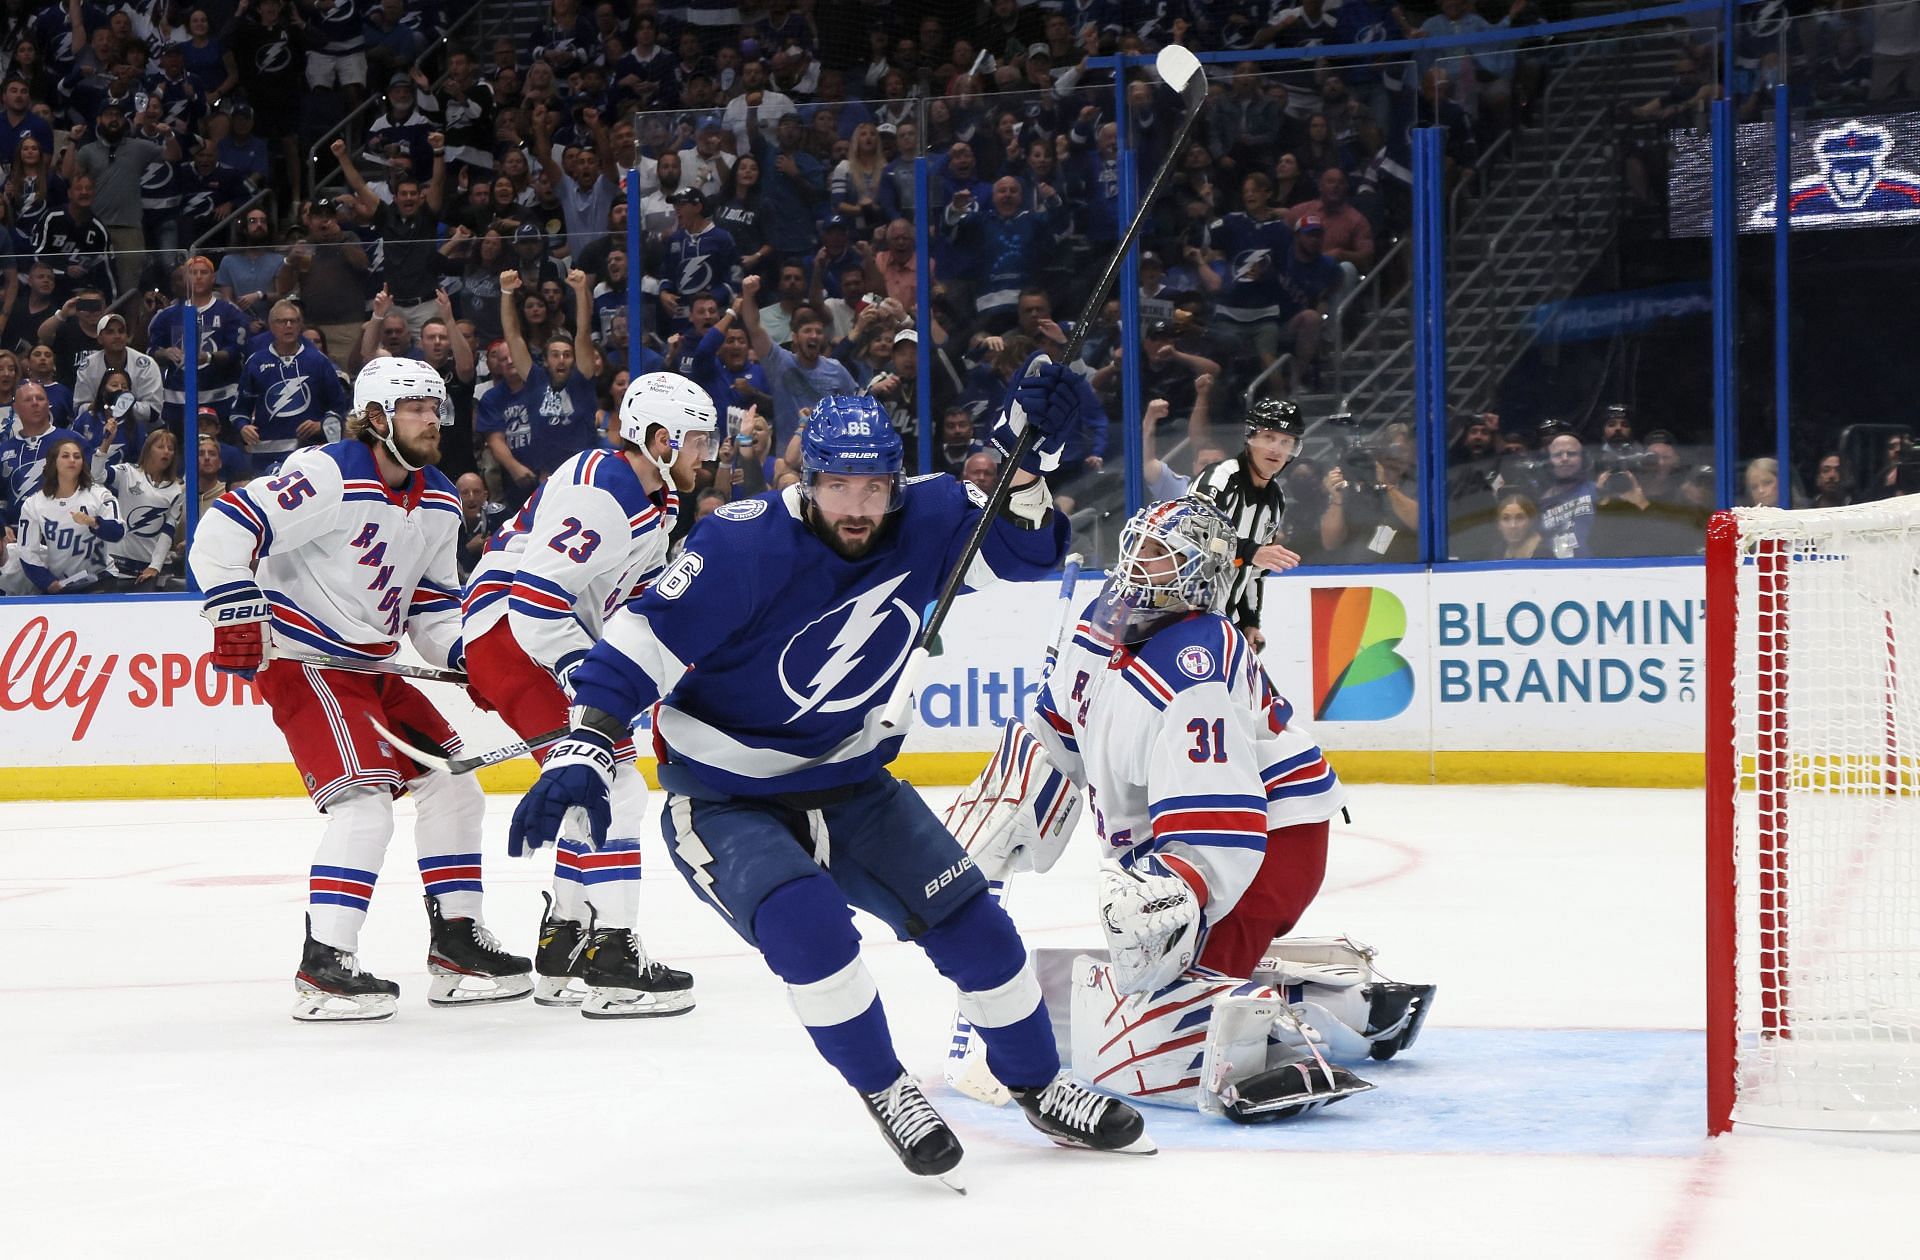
1357, 675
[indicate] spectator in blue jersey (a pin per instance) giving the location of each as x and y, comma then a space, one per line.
1093, 177
208, 192
797, 378
1011, 243
694, 353
1570, 499
290, 396
223, 338
230, 462
730, 376
241, 150
540, 414
19, 120
1249, 244
24, 448
1306, 281
106, 423
794, 187
699, 258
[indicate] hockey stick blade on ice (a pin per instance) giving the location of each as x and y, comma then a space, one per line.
1180, 70
464, 765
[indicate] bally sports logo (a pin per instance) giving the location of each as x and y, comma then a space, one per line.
1357, 675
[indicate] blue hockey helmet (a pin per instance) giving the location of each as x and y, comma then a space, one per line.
851, 435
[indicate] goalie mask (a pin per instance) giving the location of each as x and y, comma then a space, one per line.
1175, 558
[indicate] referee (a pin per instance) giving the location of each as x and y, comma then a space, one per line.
1247, 489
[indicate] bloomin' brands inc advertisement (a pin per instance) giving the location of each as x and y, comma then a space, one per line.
1538, 665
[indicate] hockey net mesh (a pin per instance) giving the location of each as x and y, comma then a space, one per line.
1827, 818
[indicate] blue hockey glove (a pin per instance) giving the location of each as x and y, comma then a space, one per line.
577, 774
1054, 399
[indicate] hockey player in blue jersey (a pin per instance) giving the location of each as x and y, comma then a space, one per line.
767, 652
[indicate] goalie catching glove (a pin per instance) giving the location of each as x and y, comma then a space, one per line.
1019, 813
1152, 924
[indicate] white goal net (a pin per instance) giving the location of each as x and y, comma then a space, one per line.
1814, 818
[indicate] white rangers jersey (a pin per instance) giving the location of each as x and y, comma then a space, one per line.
1193, 757
345, 561
54, 547
589, 540
153, 512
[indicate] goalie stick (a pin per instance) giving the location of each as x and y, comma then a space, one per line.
1180, 70
966, 1059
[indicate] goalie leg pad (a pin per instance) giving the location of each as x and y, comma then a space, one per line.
1349, 1007
1148, 1046
1019, 813
1294, 1089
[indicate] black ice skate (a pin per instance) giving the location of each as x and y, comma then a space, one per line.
468, 966
1395, 1015
919, 1136
332, 987
560, 962
623, 983
1073, 1115
1295, 1089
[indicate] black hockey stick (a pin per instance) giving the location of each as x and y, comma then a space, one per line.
466, 765
1180, 70
397, 669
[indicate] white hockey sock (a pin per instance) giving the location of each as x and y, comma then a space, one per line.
605, 885
446, 833
340, 883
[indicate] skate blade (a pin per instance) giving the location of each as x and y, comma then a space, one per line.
1142, 1145
559, 991
635, 1004
456, 988
317, 1007
953, 1181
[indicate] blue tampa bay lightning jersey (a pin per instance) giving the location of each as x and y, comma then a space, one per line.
772, 656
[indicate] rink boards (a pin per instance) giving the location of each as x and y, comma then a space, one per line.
1562, 674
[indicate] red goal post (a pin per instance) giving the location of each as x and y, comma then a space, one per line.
1813, 818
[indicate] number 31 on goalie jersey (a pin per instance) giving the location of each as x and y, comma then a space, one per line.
1209, 740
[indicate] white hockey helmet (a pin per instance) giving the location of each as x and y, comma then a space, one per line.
389, 382
671, 401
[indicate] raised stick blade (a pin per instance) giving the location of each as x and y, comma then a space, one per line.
1179, 69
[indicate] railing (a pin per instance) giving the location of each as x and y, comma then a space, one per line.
1395, 366
376, 98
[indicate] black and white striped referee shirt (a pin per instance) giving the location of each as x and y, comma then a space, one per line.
1255, 511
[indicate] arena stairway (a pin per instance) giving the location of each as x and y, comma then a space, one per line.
1547, 205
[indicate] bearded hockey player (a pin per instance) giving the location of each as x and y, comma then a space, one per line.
769, 649
350, 546
591, 537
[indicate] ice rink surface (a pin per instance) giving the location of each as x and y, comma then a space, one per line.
156, 1100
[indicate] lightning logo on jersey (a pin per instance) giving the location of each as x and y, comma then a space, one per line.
871, 628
